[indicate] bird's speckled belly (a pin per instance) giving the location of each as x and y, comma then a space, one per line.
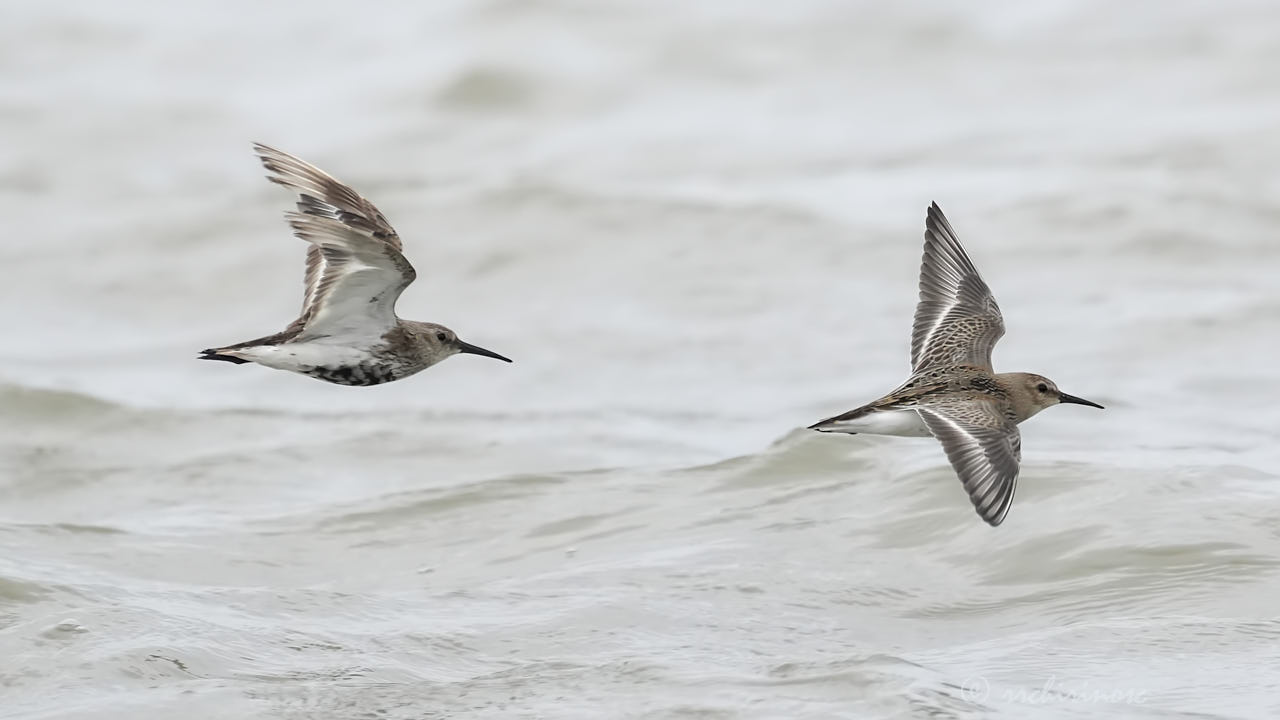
362, 374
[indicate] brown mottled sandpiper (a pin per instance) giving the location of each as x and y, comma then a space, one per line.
347, 332
952, 393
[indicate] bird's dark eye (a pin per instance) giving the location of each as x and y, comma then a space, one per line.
442, 337
1042, 387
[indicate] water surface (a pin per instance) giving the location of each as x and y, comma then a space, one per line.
696, 228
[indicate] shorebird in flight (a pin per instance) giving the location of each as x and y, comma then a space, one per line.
953, 394
348, 332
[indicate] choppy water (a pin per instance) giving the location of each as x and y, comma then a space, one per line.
696, 227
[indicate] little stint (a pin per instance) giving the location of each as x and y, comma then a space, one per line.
952, 393
347, 332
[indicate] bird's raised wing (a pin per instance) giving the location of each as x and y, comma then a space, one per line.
360, 279
355, 270
984, 447
957, 320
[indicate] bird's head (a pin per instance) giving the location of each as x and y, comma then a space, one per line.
443, 342
1033, 393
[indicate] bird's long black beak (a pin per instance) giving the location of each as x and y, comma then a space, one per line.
1063, 397
466, 347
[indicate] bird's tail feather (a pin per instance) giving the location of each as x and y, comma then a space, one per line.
214, 354
831, 424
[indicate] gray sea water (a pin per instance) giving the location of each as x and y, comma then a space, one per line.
696, 228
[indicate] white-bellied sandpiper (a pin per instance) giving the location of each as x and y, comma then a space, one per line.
347, 332
953, 394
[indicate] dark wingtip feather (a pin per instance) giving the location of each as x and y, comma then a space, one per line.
936, 220
264, 152
937, 229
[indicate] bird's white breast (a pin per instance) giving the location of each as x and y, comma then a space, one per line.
903, 423
303, 355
